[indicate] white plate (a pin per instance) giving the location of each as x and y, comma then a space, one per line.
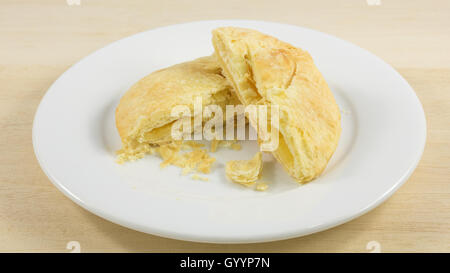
74, 139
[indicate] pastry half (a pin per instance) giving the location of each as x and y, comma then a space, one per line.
143, 116
266, 71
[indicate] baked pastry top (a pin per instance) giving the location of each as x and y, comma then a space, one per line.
143, 116
266, 71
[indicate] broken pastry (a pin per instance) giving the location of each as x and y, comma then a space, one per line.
244, 172
143, 116
197, 160
266, 71
232, 144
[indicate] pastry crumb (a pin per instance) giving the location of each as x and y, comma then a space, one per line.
236, 146
244, 172
195, 160
198, 177
214, 145
261, 186
231, 144
124, 155
191, 145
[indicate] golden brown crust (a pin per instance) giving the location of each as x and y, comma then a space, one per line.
265, 70
143, 115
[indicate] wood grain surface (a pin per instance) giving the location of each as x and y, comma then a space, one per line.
40, 39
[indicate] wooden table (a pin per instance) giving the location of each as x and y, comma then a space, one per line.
40, 39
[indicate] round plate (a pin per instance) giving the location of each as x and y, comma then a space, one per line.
75, 139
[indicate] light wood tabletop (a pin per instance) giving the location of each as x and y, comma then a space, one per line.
39, 40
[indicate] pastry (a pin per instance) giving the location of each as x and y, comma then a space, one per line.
244, 172
197, 159
266, 71
143, 116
